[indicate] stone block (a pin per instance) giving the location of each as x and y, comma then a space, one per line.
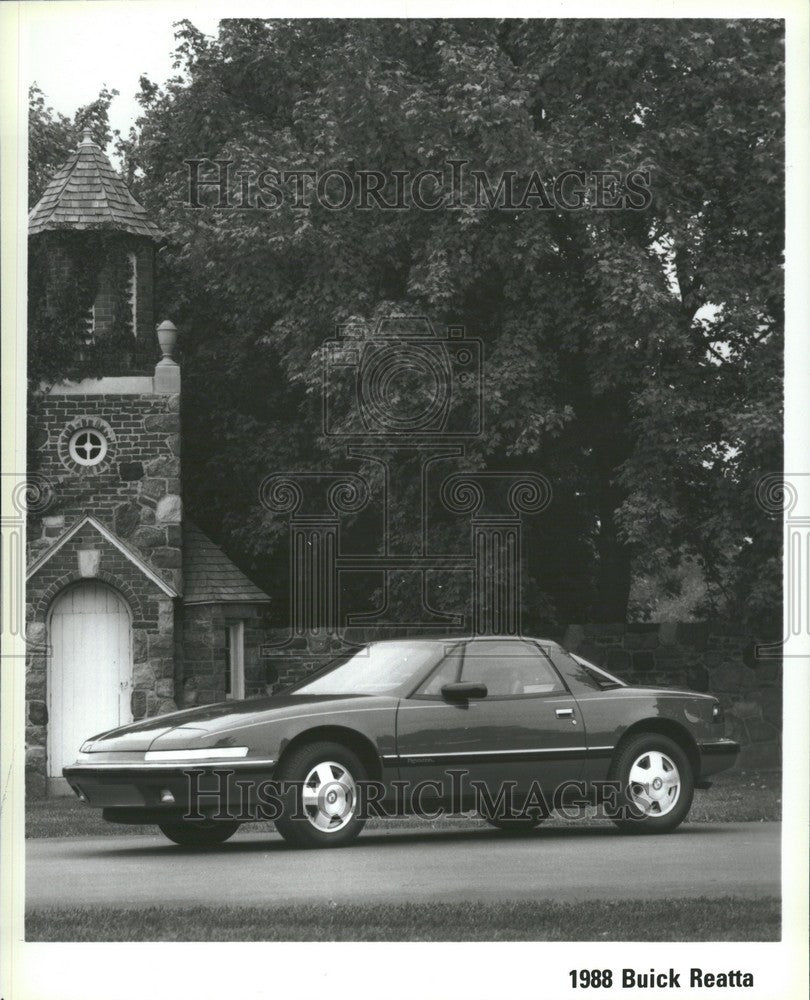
153, 488
165, 688
35, 759
168, 422
139, 645
37, 713
712, 658
697, 677
668, 633
138, 704
143, 677
590, 651
727, 676
147, 515
164, 706
599, 629
173, 442
169, 509
166, 557
35, 685
163, 468
174, 535
641, 640
35, 635
35, 736
165, 617
160, 645
130, 472
173, 403
768, 672
618, 660
126, 519
163, 666
643, 661
146, 537
694, 634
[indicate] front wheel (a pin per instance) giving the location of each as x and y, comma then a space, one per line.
323, 811
199, 833
657, 784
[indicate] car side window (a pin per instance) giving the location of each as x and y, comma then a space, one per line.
510, 668
445, 673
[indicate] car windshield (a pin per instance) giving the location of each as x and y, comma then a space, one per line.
380, 668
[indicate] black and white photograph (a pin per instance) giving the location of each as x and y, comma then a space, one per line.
406, 502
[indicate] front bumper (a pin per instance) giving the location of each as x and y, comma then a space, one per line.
127, 790
716, 756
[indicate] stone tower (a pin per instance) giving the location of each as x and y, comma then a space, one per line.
105, 556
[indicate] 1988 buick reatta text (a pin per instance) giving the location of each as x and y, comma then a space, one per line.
412, 724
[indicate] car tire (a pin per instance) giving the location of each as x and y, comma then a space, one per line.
514, 825
657, 784
199, 833
324, 776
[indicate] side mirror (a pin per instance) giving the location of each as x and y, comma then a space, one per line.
464, 691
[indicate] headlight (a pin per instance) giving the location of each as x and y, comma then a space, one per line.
717, 712
214, 753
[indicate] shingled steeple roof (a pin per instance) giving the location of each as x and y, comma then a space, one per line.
86, 193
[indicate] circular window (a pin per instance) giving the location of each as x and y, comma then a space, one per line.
88, 447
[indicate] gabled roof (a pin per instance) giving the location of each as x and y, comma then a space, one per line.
209, 576
86, 193
133, 557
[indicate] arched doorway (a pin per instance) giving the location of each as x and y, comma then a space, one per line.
90, 669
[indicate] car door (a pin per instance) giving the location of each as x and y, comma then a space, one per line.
527, 728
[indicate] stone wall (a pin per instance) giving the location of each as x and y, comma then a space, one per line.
135, 491
203, 667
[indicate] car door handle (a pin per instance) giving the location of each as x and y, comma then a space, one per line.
564, 713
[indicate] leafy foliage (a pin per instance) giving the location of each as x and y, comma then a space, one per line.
633, 357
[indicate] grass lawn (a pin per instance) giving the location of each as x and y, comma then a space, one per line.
735, 797
724, 919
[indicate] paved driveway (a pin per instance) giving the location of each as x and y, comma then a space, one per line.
473, 864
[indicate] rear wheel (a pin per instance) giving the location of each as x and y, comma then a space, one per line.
322, 811
199, 833
657, 784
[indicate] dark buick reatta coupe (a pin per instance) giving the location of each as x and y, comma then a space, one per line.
439, 718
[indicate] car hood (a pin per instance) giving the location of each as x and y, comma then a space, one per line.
223, 724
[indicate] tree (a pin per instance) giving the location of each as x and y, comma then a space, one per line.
634, 357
